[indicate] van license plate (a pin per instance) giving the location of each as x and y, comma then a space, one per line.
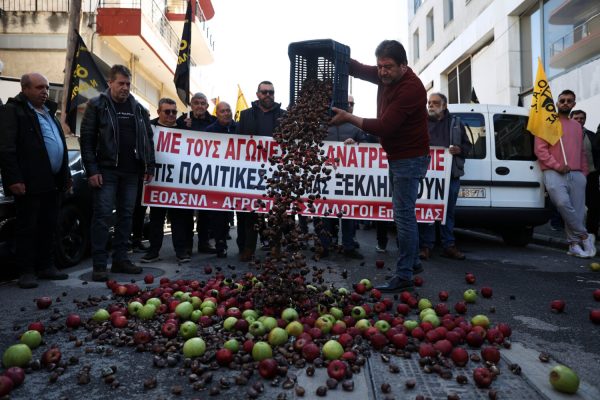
472, 193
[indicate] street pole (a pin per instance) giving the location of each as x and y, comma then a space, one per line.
74, 21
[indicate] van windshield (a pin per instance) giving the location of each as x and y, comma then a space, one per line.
475, 127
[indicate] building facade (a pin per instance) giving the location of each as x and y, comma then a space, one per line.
144, 35
492, 46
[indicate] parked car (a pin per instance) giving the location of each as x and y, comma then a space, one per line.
502, 189
73, 228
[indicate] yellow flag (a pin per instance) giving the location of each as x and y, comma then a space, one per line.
543, 118
241, 104
215, 101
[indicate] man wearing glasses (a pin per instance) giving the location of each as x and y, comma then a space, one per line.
564, 166
199, 121
260, 119
401, 126
181, 219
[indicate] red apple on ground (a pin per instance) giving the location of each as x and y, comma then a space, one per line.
336, 369
149, 279
169, 329
224, 356
491, 354
470, 278
43, 302
459, 356
119, 321
482, 377
427, 350
51, 356
418, 281
460, 307
505, 329
6, 385
73, 321
486, 292
443, 295
595, 316
379, 263
597, 294
444, 346
16, 375
557, 306
400, 340
36, 326
474, 339
403, 309
268, 368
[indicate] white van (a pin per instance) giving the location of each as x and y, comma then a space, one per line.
502, 189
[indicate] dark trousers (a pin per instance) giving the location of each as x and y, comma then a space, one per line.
139, 214
36, 220
592, 202
118, 191
219, 222
180, 228
382, 235
203, 226
246, 233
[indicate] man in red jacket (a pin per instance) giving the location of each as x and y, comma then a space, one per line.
401, 126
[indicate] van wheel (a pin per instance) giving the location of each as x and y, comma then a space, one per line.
72, 236
517, 236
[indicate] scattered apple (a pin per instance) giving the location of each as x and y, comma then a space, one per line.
443, 295
482, 377
564, 379
470, 295
557, 306
51, 356
470, 278
486, 292
268, 368
459, 356
491, 354
73, 321
194, 347
596, 295
261, 351
36, 326
595, 266
32, 339
6, 385
16, 375
337, 370
149, 279
43, 302
224, 356
595, 316
332, 350
188, 329
101, 315
17, 355
379, 263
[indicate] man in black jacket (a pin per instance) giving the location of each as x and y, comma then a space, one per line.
116, 148
259, 120
35, 170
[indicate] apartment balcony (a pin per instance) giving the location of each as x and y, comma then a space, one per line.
203, 42
572, 12
582, 43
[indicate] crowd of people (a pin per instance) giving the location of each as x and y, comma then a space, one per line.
117, 150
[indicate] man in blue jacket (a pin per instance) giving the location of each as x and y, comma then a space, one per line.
35, 170
116, 148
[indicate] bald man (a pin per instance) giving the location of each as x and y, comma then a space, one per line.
35, 170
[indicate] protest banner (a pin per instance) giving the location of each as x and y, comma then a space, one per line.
202, 170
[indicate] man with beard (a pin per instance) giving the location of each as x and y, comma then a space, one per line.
445, 130
260, 119
564, 167
181, 219
401, 126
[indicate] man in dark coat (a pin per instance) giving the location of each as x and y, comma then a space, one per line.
35, 170
116, 148
261, 119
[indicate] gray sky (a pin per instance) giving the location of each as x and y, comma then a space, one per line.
252, 38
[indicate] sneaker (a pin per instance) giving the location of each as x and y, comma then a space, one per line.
52, 274
353, 254
424, 253
139, 247
183, 258
27, 281
589, 245
380, 249
576, 250
125, 267
453, 253
150, 257
99, 273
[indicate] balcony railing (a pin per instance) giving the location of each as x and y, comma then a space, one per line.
578, 33
35, 5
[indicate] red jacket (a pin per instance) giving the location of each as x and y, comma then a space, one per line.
401, 122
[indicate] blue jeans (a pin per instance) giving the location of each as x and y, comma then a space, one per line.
427, 231
405, 176
118, 191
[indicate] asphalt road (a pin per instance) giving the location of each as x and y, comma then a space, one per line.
524, 281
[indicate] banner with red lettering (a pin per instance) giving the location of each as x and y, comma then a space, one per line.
216, 171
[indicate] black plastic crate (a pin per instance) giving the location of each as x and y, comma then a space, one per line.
323, 59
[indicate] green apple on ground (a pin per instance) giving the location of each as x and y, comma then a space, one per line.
426, 311
289, 315
433, 319
277, 336
268, 322
155, 301
424, 303
147, 312
252, 314
229, 323
480, 320
188, 329
196, 314
101, 315
367, 283
208, 311
32, 339
294, 328
232, 344
323, 324
410, 324
382, 326
257, 328
17, 355
196, 302
261, 351
362, 324
595, 266
564, 379
336, 312
194, 347
332, 350
134, 307
184, 309
470, 295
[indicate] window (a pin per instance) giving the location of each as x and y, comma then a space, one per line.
430, 30
417, 4
513, 141
559, 32
448, 11
475, 128
416, 46
459, 83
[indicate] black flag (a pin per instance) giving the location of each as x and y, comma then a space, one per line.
86, 82
474, 98
520, 101
182, 73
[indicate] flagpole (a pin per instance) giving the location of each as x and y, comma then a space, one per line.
562, 148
